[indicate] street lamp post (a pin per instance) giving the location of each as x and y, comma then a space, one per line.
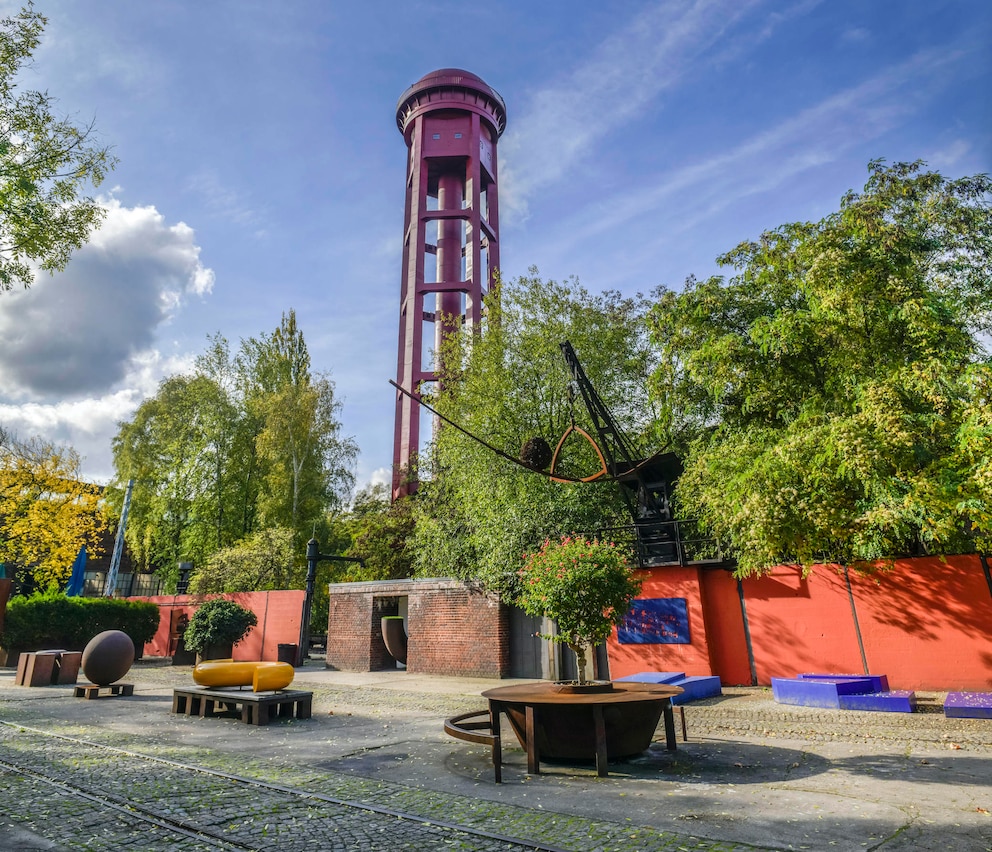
313, 557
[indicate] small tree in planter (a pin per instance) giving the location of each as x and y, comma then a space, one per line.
585, 586
218, 622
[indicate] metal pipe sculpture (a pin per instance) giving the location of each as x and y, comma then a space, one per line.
263, 676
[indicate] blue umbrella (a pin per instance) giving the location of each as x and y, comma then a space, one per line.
75, 587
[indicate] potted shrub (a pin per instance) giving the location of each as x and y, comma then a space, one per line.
216, 627
585, 586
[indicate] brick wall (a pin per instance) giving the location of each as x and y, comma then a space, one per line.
452, 629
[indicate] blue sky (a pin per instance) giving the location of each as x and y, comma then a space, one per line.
261, 168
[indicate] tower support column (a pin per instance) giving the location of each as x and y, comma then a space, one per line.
451, 121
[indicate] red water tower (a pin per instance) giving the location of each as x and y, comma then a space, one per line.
451, 121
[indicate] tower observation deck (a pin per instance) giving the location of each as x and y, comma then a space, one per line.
451, 122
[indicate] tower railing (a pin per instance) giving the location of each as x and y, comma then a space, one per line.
666, 543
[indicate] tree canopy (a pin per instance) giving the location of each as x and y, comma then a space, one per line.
831, 398
242, 445
585, 586
381, 535
45, 164
46, 513
476, 513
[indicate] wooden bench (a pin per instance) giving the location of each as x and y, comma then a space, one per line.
477, 727
256, 708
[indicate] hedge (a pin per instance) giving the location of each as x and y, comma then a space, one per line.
55, 621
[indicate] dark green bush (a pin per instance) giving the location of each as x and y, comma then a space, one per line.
51, 620
218, 622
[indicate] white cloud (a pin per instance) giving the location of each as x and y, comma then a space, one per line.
80, 332
630, 68
949, 156
224, 202
854, 35
77, 350
89, 424
381, 476
817, 135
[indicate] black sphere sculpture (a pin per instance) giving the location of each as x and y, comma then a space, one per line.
536, 453
107, 657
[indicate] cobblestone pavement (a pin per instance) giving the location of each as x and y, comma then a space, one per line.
372, 771
82, 796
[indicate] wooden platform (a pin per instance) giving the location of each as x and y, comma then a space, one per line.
91, 690
253, 708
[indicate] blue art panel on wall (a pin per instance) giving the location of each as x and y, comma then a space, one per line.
655, 621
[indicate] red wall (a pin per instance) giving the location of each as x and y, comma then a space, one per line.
280, 614
927, 624
801, 624
725, 627
693, 658
930, 622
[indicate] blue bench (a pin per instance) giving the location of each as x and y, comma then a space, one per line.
843, 692
968, 705
694, 687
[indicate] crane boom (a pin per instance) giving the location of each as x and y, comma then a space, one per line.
646, 483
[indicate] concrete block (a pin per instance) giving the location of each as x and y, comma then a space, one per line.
968, 705
805, 693
653, 677
823, 692
880, 683
895, 701
696, 688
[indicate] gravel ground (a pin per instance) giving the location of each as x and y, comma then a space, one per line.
753, 775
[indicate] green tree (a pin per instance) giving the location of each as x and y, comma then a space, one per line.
306, 460
261, 561
831, 398
381, 534
46, 512
243, 444
173, 449
45, 163
585, 586
477, 513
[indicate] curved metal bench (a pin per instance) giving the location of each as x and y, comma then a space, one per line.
477, 727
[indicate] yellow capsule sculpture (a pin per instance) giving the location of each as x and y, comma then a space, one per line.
262, 676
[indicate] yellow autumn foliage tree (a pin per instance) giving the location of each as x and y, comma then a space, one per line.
46, 512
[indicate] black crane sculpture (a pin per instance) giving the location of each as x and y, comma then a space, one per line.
646, 483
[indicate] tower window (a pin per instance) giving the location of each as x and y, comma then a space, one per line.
437, 135
458, 136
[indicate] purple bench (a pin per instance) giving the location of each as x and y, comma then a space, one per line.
968, 705
694, 687
843, 692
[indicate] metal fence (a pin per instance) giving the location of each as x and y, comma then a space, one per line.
128, 585
660, 543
